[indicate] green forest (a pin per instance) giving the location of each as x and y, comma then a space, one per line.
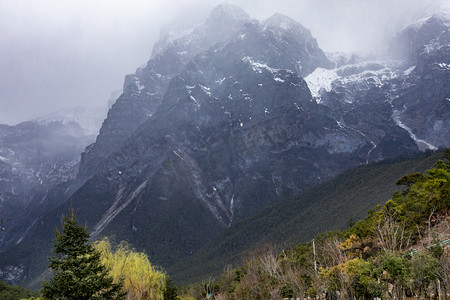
400, 250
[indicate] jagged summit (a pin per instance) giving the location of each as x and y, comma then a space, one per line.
286, 23
427, 35
225, 13
228, 25
441, 17
224, 20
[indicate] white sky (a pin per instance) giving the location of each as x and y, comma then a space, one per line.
63, 53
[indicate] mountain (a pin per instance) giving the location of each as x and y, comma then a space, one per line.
144, 90
36, 156
225, 121
90, 119
422, 101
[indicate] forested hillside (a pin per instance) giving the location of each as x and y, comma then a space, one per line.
336, 204
399, 250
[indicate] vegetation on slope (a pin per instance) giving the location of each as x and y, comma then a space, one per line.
393, 253
333, 205
398, 250
8, 292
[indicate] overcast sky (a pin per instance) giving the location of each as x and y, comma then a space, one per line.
58, 54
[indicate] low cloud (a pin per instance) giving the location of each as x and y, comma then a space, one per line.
61, 53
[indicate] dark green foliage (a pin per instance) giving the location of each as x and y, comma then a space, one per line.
8, 292
425, 269
409, 180
170, 291
396, 265
77, 271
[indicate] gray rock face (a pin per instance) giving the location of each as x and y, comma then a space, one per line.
143, 91
295, 49
425, 36
423, 104
237, 94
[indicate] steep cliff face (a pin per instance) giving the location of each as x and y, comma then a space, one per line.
423, 103
143, 91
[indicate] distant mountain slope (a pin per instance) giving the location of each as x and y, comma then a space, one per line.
328, 206
35, 156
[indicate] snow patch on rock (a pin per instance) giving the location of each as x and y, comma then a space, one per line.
409, 71
422, 144
259, 66
320, 79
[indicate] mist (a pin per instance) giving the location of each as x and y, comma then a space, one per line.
60, 54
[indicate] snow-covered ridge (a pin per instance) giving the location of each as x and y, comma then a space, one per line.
369, 73
258, 67
442, 16
409, 71
88, 118
319, 80
444, 66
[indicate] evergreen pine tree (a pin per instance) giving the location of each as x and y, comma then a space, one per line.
170, 291
77, 271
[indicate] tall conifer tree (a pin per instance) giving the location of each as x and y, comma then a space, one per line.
77, 271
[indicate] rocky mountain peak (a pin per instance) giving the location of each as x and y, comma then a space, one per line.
224, 20
286, 23
225, 14
425, 36
144, 90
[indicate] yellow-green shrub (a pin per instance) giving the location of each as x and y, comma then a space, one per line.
141, 279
